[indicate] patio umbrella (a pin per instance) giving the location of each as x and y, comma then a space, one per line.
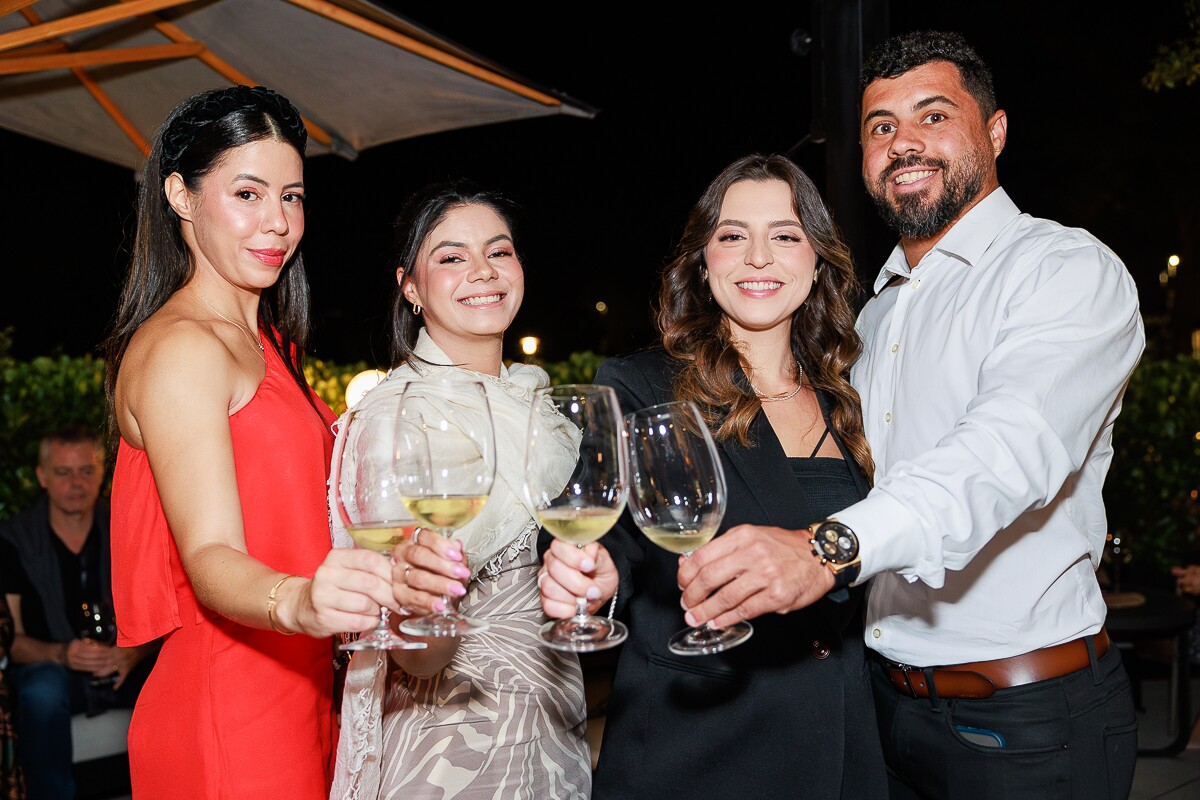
99, 76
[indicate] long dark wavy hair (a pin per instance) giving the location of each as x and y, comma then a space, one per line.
696, 331
193, 140
422, 212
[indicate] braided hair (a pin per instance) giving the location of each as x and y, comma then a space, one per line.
184, 125
192, 141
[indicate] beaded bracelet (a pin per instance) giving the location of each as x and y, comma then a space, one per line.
271, 605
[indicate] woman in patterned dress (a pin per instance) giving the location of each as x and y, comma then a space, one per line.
495, 713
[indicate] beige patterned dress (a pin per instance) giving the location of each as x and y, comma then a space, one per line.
505, 719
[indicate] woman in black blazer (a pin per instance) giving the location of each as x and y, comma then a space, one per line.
757, 330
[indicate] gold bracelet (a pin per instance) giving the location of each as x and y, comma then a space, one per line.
271, 605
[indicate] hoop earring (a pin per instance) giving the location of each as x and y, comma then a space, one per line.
416, 310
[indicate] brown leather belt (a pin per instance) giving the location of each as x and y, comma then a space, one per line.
981, 679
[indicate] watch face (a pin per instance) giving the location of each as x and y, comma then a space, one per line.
837, 542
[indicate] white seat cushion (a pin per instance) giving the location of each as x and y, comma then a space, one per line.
104, 735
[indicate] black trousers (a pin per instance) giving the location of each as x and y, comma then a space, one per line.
1068, 737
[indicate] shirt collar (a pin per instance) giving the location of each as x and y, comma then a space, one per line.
967, 240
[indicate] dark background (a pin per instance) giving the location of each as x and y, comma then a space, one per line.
680, 92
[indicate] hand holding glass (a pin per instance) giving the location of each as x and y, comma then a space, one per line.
677, 499
369, 503
447, 463
575, 430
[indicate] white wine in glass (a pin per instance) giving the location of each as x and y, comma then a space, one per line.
368, 501
446, 453
575, 479
677, 499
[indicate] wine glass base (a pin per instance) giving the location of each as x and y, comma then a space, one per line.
382, 639
704, 641
440, 626
385, 642
583, 635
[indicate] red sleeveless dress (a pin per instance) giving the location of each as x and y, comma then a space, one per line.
231, 712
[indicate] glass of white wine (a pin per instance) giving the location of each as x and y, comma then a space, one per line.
677, 498
575, 479
369, 503
447, 456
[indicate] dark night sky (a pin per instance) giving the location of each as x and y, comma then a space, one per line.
679, 97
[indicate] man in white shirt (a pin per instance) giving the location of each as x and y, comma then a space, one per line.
996, 351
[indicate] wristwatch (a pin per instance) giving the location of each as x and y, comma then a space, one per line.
836, 545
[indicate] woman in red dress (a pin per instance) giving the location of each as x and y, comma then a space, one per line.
220, 531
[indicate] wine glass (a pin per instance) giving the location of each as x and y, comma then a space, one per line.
446, 455
368, 501
96, 623
677, 499
575, 479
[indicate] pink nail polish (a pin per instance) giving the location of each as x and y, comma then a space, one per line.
453, 553
439, 606
458, 590
462, 572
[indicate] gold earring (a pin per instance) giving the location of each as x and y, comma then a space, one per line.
416, 309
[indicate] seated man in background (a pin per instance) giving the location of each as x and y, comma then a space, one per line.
55, 576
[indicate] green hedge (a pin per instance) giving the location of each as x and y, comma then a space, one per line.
37, 396
1153, 489
40, 395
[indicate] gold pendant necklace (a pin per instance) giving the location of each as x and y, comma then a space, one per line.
255, 341
775, 398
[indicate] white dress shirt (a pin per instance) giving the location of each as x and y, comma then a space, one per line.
991, 376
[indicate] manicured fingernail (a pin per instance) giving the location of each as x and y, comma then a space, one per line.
593, 593
462, 572
587, 565
439, 606
457, 589
682, 604
454, 553
690, 619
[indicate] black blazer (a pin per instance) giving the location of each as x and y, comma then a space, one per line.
788, 713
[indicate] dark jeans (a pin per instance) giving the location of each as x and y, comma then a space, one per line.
1068, 737
46, 695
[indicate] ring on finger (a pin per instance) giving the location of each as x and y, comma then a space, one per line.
416, 535
407, 569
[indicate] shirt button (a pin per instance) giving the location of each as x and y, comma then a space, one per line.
887, 417
876, 633
820, 650
895, 347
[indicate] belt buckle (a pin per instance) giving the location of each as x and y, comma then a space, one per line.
905, 669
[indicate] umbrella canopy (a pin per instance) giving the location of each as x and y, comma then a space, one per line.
99, 76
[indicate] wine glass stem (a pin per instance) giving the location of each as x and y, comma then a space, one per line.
581, 612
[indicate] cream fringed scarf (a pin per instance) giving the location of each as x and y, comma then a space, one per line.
504, 528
